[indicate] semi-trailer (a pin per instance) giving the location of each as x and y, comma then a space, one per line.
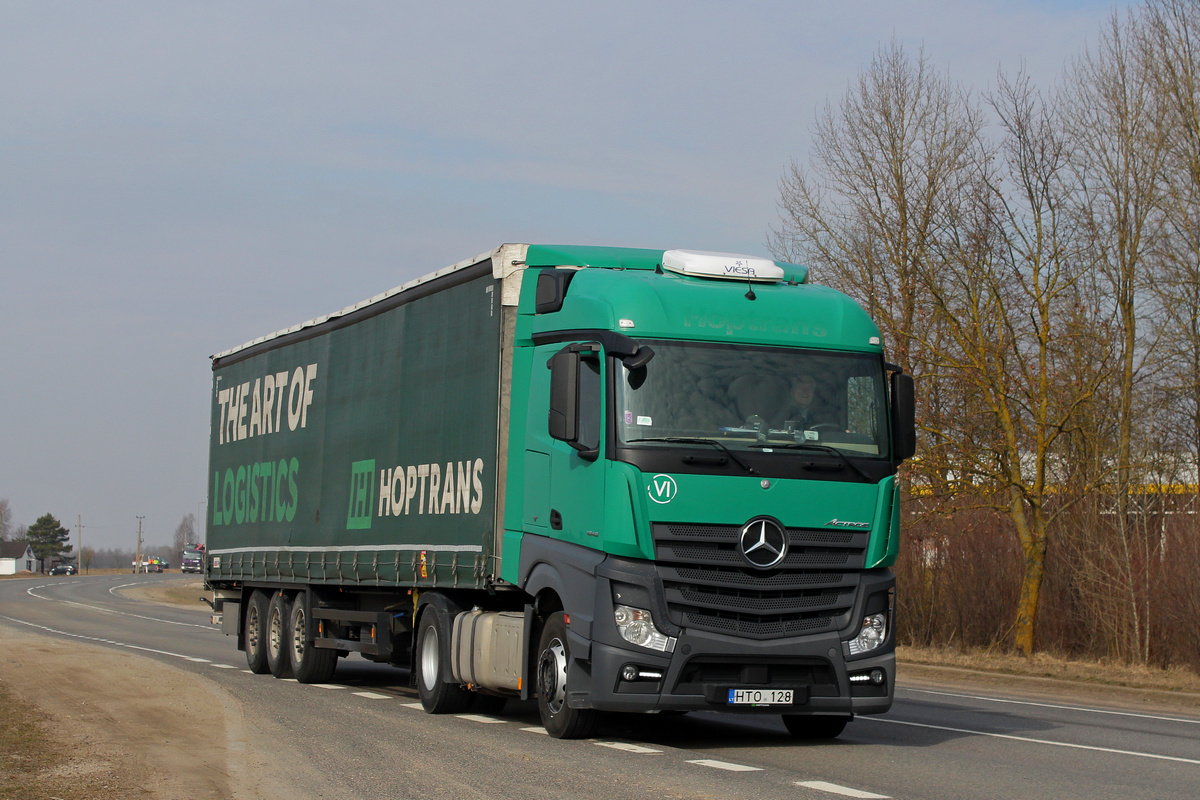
611, 479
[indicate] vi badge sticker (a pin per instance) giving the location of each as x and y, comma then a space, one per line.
662, 488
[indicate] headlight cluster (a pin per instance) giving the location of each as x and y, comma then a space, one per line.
872, 635
636, 626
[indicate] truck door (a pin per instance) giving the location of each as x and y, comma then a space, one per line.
573, 435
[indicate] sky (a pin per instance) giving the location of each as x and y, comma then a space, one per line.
177, 178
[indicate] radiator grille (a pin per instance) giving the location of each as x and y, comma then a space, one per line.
710, 586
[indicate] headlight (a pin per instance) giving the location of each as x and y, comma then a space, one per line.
636, 626
872, 635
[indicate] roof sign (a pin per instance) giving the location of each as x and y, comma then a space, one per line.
730, 266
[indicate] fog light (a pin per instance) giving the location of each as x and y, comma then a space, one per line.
872, 635
636, 626
631, 672
877, 676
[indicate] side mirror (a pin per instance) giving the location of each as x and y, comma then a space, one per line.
564, 396
904, 417
575, 399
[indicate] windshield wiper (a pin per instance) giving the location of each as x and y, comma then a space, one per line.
690, 440
821, 448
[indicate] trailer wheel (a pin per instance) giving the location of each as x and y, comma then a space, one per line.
554, 654
433, 642
802, 726
254, 635
310, 664
278, 658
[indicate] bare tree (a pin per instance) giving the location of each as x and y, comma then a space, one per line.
1117, 121
869, 209
5, 520
185, 533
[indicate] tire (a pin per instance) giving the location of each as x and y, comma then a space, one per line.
310, 664
802, 726
433, 643
278, 658
254, 633
554, 655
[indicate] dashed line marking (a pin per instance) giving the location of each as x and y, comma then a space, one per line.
536, 730
328, 685
416, 706
372, 695
845, 791
725, 765
481, 718
225, 666
628, 748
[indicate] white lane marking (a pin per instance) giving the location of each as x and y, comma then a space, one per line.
845, 791
1035, 741
725, 765
481, 718
372, 695
1056, 707
106, 641
628, 748
542, 731
225, 666
416, 706
103, 610
327, 685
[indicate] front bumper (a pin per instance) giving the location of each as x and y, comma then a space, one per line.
704, 667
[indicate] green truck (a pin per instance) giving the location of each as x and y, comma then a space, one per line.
610, 479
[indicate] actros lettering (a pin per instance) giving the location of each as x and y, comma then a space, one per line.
255, 410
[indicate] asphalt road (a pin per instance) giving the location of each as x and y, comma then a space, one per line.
364, 735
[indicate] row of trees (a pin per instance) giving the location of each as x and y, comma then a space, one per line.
1033, 256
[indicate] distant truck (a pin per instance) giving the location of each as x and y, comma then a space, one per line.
191, 560
609, 479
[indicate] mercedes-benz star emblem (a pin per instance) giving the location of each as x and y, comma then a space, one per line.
763, 542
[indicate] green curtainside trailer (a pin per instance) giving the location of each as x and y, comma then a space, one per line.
611, 479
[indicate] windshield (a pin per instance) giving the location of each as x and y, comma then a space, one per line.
749, 397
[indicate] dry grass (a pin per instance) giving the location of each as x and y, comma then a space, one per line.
1043, 665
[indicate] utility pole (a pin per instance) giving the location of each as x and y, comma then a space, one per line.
137, 564
79, 555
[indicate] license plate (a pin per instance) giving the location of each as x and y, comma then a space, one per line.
760, 697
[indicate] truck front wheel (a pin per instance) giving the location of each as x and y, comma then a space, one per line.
254, 635
278, 658
433, 642
554, 654
310, 664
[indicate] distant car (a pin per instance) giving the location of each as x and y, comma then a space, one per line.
64, 569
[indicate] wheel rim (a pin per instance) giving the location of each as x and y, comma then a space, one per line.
430, 659
298, 634
252, 630
552, 675
274, 633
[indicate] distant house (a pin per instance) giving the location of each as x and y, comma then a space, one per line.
16, 557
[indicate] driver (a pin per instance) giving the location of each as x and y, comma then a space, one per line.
803, 412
